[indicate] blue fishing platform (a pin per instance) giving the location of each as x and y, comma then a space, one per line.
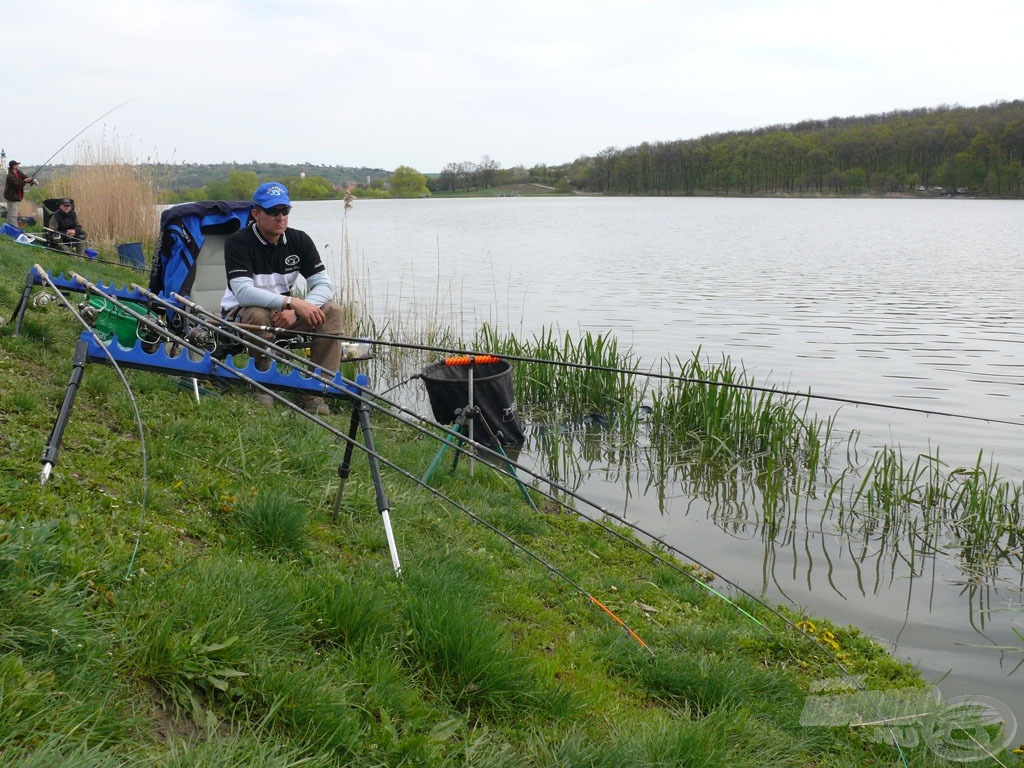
205, 366
114, 340
98, 347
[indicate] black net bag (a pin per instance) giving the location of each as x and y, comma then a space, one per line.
494, 395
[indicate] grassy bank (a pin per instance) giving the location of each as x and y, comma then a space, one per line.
178, 595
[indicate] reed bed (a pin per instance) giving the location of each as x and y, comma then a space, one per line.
563, 377
116, 199
749, 454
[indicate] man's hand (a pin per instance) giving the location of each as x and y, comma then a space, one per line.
301, 311
307, 311
286, 318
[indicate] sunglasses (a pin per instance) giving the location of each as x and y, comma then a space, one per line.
281, 210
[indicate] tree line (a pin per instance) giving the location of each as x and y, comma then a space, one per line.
948, 149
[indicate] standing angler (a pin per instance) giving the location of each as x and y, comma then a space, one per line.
14, 190
263, 261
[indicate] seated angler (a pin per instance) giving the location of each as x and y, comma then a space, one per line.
64, 229
262, 262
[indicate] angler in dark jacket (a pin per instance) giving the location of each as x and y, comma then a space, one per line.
14, 190
65, 229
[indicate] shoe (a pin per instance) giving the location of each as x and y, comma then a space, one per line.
263, 398
314, 405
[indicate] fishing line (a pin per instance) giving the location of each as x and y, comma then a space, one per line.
154, 325
44, 275
830, 657
652, 375
281, 355
250, 339
90, 125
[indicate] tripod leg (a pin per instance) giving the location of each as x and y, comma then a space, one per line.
458, 427
508, 464
49, 458
26, 295
345, 467
363, 411
464, 426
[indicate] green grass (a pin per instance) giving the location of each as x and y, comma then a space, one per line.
202, 608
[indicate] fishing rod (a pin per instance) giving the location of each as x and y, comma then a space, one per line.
156, 326
265, 345
41, 241
162, 331
650, 375
90, 125
56, 249
246, 337
288, 357
44, 275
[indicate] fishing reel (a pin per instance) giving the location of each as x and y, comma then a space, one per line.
90, 313
43, 299
203, 338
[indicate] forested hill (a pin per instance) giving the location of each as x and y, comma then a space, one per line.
976, 151
945, 150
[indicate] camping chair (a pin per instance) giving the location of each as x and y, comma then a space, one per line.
57, 241
189, 256
189, 261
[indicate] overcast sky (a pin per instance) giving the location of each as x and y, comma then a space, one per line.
383, 83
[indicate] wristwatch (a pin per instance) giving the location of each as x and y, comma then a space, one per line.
287, 302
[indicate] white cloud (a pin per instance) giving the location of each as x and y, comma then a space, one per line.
408, 82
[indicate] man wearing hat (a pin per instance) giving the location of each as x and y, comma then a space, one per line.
64, 228
263, 260
14, 190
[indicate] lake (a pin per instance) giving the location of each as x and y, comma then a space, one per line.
910, 304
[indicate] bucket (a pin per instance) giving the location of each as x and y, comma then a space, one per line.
111, 320
90, 253
493, 394
9, 230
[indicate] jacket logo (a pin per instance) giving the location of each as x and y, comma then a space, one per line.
291, 259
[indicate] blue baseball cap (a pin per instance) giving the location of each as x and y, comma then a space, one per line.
271, 194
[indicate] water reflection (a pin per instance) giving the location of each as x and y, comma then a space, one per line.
948, 565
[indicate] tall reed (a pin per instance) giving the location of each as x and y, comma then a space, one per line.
570, 377
115, 197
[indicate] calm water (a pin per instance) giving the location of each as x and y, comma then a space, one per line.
904, 303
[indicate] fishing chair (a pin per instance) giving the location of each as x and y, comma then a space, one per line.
58, 241
208, 290
475, 394
189, 261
